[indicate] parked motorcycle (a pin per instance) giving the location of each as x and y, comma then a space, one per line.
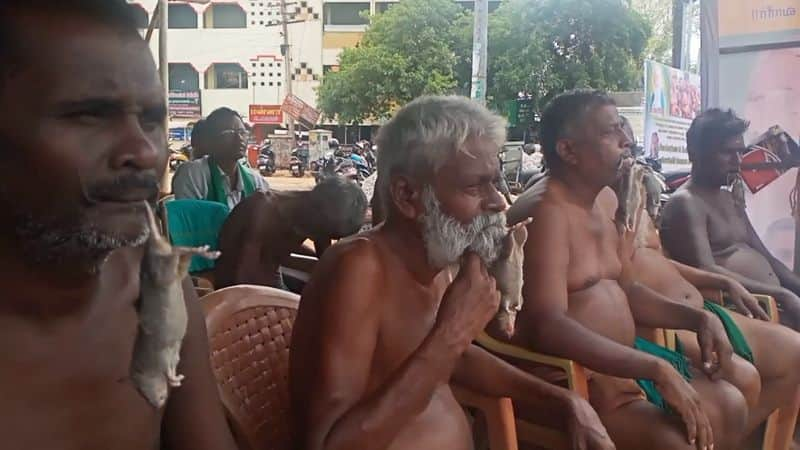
178, 157
266, 161
299, 161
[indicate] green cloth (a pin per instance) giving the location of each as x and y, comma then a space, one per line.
676, 358
735, 335
195, 223
216, 183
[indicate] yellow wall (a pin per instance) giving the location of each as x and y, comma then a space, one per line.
758, 16
340, 39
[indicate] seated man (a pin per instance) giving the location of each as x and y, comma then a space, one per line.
222, 176
752, 340
267, 227
383, 329
82, 115
580, 304
704, 226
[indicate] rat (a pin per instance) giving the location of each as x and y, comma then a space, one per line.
162, 314
507, 272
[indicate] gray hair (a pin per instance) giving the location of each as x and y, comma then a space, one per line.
424, 134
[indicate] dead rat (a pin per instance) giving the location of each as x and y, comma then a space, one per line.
162, 314
507, 272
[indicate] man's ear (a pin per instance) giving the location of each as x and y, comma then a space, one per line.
566, 151
406, 196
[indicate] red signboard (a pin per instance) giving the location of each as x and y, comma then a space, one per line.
266, 114
295, 107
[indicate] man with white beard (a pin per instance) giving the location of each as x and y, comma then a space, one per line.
383, 328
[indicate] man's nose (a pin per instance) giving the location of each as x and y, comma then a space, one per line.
495, 202
134, 148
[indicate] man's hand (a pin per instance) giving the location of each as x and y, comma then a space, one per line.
682, 397
469, 303
744, 301
585, 428
715, 347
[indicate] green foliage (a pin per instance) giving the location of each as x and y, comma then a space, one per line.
658, 14
540, 47
408, 51
544, 47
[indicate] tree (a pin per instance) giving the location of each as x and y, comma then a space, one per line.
416, 47
658, 14
545, 47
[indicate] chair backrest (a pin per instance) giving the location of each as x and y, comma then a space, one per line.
250, 330
195, 223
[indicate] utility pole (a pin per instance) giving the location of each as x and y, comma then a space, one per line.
287, 66
163, 71
480, 40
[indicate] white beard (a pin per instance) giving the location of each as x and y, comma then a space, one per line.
446, 239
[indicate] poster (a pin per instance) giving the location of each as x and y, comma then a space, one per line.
672, 101
295, 107
758, 22
185, 105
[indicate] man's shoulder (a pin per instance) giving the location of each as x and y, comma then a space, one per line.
362, 254
540, 198
261, 182
197, 166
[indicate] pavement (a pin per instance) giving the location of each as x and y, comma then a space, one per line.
283, 180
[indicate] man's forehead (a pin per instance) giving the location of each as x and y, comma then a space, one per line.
477, 157
77, 58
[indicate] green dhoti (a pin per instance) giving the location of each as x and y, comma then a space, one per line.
675, 358
735, 335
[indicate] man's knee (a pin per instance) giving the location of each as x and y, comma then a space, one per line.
745, 377
727, 410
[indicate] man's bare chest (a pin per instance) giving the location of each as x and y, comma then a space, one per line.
725, 222
593, 251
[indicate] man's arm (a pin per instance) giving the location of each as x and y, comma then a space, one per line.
544, 323
194, 418
340, 414
480, 371
186, 182
743, 300
788, 279
248, 219
685, 236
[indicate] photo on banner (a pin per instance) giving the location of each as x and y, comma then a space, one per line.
672, 101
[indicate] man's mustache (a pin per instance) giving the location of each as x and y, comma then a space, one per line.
125, 188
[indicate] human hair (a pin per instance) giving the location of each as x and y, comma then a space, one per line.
425, 133
335, 208
711, 128
216, 121
198, 138
563, 115
118, 14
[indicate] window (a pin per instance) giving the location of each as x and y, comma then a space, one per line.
183, 77
226, 76
142, 19
182, 16
345, 13
225, 16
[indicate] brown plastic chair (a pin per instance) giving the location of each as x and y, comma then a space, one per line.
250, 330
504, 430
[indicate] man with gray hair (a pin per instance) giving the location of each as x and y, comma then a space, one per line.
383, 328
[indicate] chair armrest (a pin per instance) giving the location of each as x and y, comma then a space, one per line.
770, 306
713, 295
576, 374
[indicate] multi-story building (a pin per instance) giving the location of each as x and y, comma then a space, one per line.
228, 52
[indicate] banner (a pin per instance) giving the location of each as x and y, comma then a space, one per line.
185, 105
672, 101
295, 107
745, 23
266, 114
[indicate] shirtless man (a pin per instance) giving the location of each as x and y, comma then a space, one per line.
383, 330
267, 227
779, 378
704, 226
82, 131
580, 303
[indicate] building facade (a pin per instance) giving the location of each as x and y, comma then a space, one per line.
229, 53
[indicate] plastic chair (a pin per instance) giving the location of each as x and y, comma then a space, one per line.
250, 330
503, 428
